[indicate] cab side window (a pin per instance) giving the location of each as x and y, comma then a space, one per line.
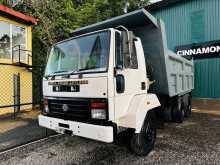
118, 49
128, 62
133, 61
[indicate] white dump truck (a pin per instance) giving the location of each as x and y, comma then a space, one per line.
115, 75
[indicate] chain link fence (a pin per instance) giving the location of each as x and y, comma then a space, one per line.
20, 105
8, 88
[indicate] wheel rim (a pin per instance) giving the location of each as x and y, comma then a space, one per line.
189, 109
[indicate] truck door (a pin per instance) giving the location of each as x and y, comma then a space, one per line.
126, 79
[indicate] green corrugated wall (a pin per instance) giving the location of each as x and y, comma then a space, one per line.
195, 21
207, 79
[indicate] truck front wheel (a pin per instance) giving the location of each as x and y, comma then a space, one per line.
142, 143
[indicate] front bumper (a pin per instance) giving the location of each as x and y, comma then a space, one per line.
95, 132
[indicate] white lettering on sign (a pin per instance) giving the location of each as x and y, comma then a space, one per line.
199, 51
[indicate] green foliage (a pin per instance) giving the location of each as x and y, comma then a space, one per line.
58, 18
5, 2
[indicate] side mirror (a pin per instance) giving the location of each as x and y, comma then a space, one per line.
127, 46
125, 43
120, 83
131, 42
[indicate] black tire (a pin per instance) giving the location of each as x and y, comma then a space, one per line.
189, 107
142, 143
168, 113
178, 111
123, 138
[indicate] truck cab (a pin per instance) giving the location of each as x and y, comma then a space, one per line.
98, 82
93, 83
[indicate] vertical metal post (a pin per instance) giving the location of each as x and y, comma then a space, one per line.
12, 55
28, 58
16, 81
41, 89
18, 92
19, 53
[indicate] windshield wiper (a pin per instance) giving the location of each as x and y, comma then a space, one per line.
82, 69
68, 74
79, 70
53, 74
60, 71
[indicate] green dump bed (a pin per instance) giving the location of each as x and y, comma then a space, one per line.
173, 75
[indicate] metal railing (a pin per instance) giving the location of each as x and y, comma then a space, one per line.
20, 61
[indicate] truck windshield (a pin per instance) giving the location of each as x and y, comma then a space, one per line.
83, 54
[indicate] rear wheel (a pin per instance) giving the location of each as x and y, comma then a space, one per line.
178, 111
189, 107
142, 143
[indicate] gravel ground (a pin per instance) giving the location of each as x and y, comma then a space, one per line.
196, 141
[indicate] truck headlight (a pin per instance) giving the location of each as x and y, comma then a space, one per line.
46, 107
98, 110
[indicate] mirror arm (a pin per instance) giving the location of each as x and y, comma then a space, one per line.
122, 27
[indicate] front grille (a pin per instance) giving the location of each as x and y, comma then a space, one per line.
78, 109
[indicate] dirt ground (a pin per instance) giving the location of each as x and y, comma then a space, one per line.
10, 110
195, 141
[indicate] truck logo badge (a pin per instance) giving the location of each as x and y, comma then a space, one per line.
65, 107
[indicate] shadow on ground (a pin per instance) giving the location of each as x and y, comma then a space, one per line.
24, 128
